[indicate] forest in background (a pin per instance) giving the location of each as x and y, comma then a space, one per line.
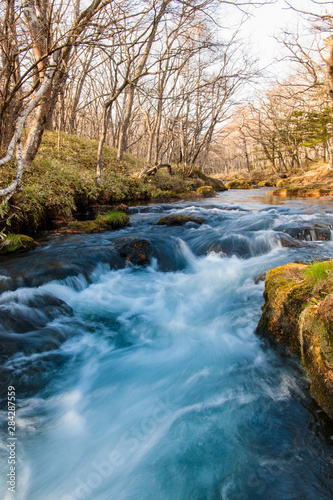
163, 80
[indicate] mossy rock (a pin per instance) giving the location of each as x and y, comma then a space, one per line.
266, 184
87, 226
17, 243
298, 313
166, 196
178, 220
112, 220
239, 184
206, 191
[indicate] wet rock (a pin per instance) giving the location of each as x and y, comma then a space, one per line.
310, 232
21, 316
260, 277
289, 242
26, 324
178, 220
137, 251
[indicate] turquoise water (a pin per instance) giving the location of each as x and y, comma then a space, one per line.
155, 386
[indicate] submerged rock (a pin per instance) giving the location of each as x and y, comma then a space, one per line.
137, 251
17, 243
178, 220
298, 313
22, 319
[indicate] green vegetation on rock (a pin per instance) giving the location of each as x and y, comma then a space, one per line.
298, 313
17, 243
112, 220
239, 184
266, 183
206, 191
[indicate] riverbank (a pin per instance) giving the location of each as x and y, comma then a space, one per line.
298, 313
316, 180
62, 184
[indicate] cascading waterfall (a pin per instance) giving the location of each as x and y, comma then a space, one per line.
149, 382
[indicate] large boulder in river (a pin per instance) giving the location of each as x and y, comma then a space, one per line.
137, 251
298, 313
178, 220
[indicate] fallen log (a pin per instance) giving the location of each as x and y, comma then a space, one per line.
153, 170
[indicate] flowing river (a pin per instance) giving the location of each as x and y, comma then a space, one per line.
149, 383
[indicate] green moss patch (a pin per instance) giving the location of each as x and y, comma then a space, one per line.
114, 219
17, 243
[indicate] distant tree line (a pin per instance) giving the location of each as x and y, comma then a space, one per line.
155, 78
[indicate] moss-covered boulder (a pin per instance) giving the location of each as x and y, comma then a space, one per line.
298, 313
111, 220
114, 219
239, 184
178, 220
17, 243
206, 191
269, 183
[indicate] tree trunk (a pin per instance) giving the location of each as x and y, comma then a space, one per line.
122, 143
102, 138
123, 130
330, 89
